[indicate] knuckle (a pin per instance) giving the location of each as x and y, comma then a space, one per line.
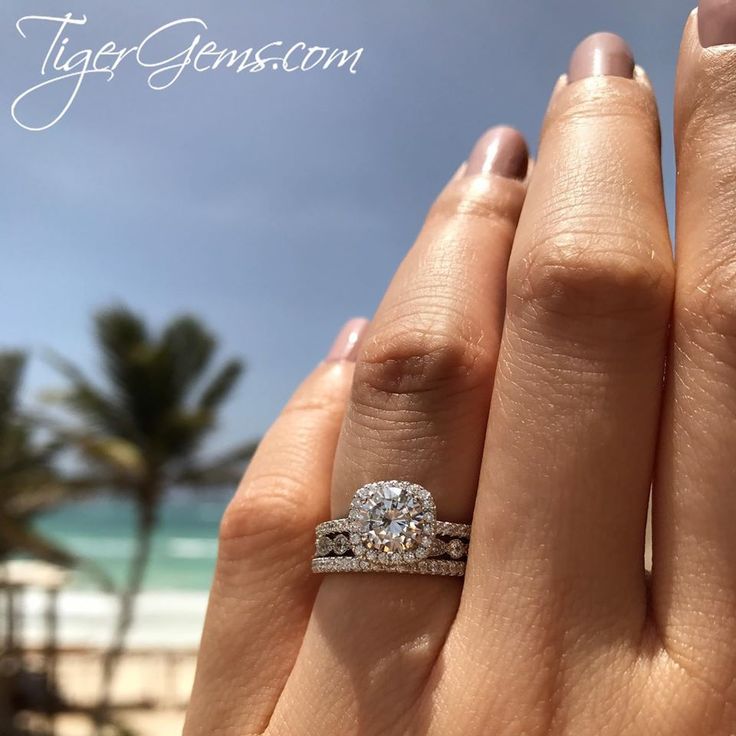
486, 199
278, 497
705, 120
614, 109
706, 306
589, 276
265, 509
313, 410
404, 360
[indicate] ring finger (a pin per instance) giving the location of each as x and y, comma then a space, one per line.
418, 411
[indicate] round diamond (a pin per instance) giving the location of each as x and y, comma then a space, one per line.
324, 546
340, 544
393, 518
456, 549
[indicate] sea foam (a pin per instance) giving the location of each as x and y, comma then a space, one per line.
163, 619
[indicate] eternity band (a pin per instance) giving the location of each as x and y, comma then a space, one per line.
392, 527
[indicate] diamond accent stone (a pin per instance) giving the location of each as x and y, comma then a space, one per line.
340, 544
391, 519
323, 546
450, 529
456, 549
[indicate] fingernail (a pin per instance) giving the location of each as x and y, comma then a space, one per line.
347, 341
500, 150
716, 22
601, 55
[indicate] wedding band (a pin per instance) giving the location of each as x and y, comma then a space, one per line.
391, 527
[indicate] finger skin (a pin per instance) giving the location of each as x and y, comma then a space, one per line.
555, 583
694, 517
418, 410
263, 590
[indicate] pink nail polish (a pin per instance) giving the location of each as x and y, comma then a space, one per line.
347, 342
716, 22
601, 55
500, 150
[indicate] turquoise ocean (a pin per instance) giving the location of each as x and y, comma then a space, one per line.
170, 611
184, 545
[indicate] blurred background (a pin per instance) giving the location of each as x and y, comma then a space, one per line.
174, 262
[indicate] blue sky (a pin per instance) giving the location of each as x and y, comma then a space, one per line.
275, 206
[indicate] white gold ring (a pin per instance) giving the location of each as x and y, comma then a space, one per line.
392, 527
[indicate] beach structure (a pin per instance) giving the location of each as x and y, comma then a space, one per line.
25, 688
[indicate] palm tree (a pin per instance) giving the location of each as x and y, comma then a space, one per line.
141, 432
29, 482
29, 485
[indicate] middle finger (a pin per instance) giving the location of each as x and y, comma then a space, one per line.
556, 563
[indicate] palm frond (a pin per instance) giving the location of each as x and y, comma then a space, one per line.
12, 365
21, 539
189, 347
183, 432
152, 416
87, 401
221, 385
223, 470
118, 456
33, 500
119, 331
17, 537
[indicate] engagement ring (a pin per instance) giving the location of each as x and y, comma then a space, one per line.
392, 527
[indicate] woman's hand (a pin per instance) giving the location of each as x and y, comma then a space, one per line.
523, 388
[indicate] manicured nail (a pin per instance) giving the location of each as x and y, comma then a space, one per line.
500, 150
601, 55
347, 341
716, 22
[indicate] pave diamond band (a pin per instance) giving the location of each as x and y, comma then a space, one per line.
424, 567
442, 528
391, 527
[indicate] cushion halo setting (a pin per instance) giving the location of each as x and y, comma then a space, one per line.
392, 522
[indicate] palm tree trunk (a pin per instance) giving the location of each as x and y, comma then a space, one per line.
146, 523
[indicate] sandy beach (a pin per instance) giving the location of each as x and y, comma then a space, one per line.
150, 691
143, 723
155, 674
